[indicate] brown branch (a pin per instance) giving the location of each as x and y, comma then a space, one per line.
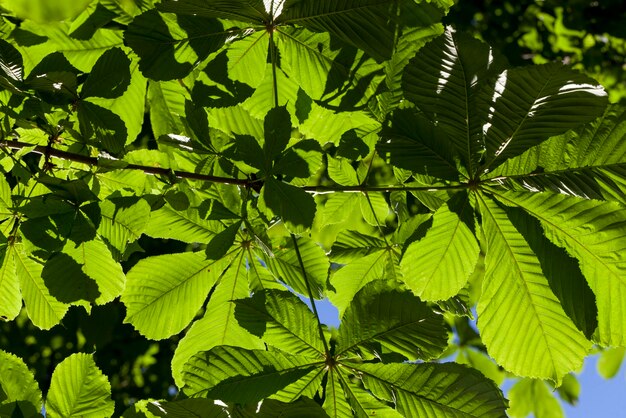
93, 161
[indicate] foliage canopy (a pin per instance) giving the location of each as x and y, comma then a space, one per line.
204, 169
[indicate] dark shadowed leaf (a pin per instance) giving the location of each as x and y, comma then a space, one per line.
109, 77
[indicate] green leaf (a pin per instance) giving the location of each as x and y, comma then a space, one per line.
518, 309
589, 162
293, 205
285, 265
438, 266
481, 362
347, 281
247, 149
226, 373
610, 362
97, 262
38, 40
529, 396
398, 321
90, 20
374, 208
414, 143
218, 326
10, 295
363, 403
281, 319
109, 77
167, 107
186, 225
335, 400
302, 408
365, 24
163, 293
106, 127
433, 390
277, 128
79, 388
219, 246
11, 67
302, 160
531, 104
169, 48
43, 11
192, 407
343, 76
247, 57
593, 232
252, 11
341, 172
43, 309
122, 222
352, 245
562, 271
569, 391
17, 383
442, 79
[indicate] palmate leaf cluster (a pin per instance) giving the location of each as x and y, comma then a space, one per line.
357, 151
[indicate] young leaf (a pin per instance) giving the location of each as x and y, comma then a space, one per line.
79, 388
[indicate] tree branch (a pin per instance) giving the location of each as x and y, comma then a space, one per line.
94, 161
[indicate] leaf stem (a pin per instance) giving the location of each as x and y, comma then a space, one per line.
308, 288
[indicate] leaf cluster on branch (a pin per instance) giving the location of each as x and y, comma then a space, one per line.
215, 166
